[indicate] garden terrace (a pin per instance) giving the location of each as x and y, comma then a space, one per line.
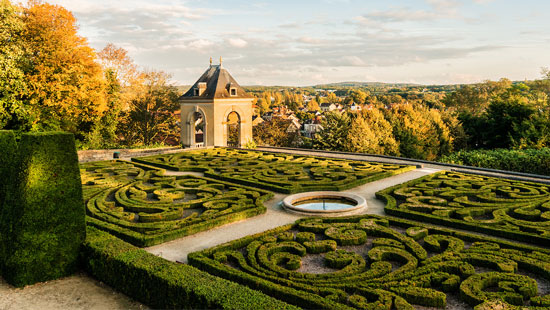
284, 173
372, 262
141, 205
500, 207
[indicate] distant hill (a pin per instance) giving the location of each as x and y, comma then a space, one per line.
364, 84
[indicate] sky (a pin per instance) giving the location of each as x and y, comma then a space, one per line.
303, 42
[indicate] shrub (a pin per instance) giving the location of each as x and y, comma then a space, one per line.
495, 206
44, 228
400, 272
163, 284
527, 161
8, 158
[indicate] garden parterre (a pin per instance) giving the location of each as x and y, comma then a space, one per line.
371, 262
285, 173
141, 205
500, 207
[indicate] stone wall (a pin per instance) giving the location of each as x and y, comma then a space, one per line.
97, 155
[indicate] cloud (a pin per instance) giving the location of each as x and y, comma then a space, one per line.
238, 42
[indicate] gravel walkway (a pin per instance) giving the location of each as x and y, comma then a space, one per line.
275, 216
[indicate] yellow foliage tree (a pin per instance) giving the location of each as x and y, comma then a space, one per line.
420, 131
371, 133
67, 86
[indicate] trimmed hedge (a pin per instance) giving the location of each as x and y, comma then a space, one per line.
141, 205
500, 207
9, 159
284, 173
44, 227
527, 161
408, 264
162, 284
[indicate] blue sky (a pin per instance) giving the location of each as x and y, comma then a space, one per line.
309, 42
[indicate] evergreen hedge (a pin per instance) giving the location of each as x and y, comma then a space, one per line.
8, 160
162, 284
431, 263
527, 161
44, 227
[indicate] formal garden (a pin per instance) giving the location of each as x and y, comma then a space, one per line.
449, 240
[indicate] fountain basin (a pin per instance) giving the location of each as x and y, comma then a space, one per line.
324, 203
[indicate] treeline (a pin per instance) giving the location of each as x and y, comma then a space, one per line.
484, 116
406, 130
51, 79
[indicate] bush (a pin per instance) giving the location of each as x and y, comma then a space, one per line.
527, 161
268, 262
163, 284
44, 228
500, 207
8, 158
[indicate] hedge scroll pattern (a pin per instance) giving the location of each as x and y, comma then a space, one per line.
504, 208
144, 207
371, 262
277, 172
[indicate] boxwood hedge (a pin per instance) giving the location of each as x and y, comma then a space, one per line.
500, 207
398, 265
284, 173
162, 284
43, 226
141, 205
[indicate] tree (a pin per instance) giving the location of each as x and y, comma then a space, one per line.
420, 131
312, 105
371, 133
358, 96
67, 86
334, 135
151, 117
262, 106
274, 133
14, 114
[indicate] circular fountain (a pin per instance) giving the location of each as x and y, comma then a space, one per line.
325, 203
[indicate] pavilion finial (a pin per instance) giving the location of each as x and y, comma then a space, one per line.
210, 61
220, 61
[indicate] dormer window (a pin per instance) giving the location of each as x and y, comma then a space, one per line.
196, 92
233, 91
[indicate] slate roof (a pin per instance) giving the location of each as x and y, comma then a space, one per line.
218, 82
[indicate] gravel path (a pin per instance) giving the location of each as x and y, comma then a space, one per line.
275, 216
79, 292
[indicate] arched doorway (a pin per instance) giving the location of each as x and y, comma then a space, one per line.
233, 129
198, 126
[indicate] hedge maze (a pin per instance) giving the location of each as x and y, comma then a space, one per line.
500, 207
371, 262
141, 205
284, 173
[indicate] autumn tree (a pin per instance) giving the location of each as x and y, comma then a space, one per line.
151, 116
313, 106
67, 86
14, 114
274, 132
262, 106
334, 136
371, 133
420, 131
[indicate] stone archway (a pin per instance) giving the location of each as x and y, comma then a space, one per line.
197, 128
233, 123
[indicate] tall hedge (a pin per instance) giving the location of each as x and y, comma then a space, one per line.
527, 161
45, 226
8, 164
